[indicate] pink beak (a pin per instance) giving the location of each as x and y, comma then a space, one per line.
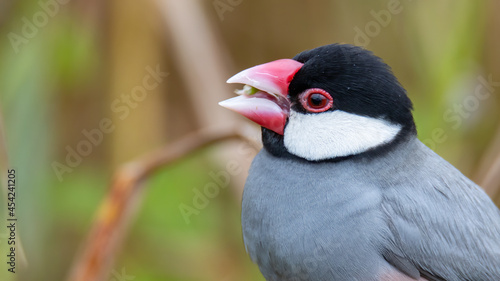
267, 106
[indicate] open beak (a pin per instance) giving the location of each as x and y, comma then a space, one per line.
264, 97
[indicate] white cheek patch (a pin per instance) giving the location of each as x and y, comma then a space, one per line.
326, 135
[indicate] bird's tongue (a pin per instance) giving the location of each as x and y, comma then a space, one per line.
264, 98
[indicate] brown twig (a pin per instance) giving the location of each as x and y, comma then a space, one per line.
114, 214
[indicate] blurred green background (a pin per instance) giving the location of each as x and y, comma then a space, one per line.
67, 65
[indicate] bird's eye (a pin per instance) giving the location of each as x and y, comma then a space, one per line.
316, 100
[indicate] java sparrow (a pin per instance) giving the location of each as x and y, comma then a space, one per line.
343, 189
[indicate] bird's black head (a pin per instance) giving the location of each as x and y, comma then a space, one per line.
337, 101
358, 81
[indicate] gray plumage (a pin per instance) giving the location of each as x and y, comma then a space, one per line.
406, 211
372, 203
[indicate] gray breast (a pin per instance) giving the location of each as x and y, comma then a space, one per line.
311, 221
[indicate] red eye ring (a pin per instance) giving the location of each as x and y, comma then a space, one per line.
316, 100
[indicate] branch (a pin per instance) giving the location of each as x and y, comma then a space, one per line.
115, 212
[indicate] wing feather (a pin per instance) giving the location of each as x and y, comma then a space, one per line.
441, 223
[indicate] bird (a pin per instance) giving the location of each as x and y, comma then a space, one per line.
343, 189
